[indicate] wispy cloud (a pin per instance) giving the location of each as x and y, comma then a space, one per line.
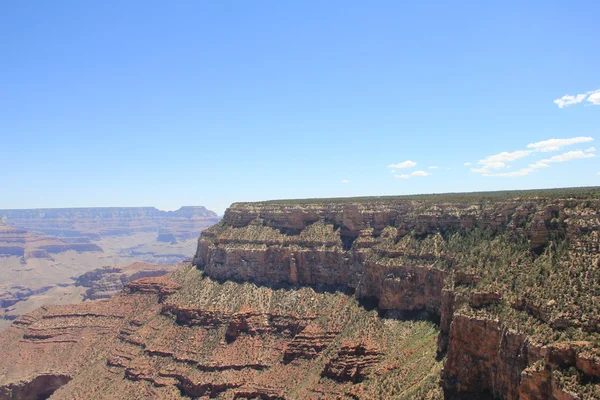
568, 156
345, 181
556, 144
414, 173
593, 96
498, 161
467, 164
433, 167
403, 164
569, 100
493, 165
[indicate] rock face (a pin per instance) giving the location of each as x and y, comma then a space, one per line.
410, 255
103, 283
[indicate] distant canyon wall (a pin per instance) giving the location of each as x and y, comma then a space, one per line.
94, 223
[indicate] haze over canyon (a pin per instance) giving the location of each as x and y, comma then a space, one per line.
43, 251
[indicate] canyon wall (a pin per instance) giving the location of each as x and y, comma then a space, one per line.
95, 222
491, 272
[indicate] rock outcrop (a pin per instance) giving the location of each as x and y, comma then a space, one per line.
105, 282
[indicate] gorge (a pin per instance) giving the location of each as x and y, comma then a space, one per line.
457, 296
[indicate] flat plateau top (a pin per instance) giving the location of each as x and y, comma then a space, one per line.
580, 193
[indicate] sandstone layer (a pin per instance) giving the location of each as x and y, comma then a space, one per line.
513, 279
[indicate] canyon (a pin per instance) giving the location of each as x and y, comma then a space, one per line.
457, 296
42, 251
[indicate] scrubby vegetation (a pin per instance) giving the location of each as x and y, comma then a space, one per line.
592, 192
406, 366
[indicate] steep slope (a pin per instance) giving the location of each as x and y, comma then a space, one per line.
188, 336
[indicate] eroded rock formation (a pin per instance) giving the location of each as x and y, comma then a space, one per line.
350, 298
497, 334
105, 282
188, 336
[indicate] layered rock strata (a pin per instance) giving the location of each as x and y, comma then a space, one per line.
492, 272
187, 336
105, 282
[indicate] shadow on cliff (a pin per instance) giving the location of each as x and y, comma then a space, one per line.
369, 303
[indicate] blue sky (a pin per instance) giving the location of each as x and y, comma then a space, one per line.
148, 103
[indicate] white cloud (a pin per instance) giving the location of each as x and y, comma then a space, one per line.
403, 164
598, 173
568, 156
433, 167
345, 181
556, 144
590, 149
521, 172
467, 164
498, 161
593, 96
569, 100
393, 171
414, 173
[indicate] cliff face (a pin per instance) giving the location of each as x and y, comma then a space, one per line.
492, 272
